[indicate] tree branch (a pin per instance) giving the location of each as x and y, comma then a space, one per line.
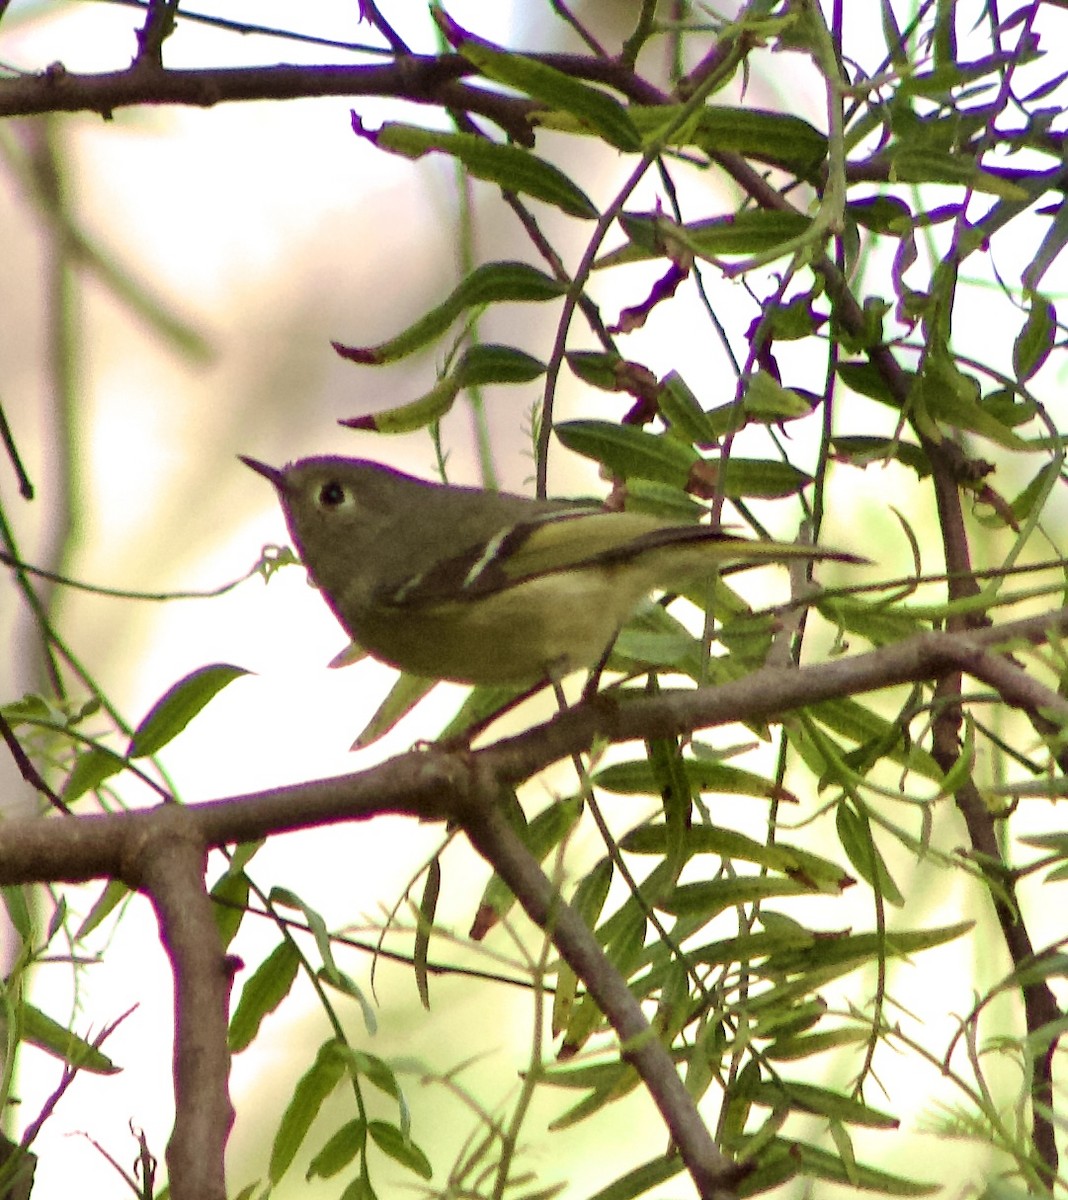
422, 79
168, 864
161, 851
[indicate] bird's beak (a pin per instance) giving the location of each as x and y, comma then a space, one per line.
276, 477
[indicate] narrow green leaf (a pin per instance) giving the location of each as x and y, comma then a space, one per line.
46, 1034
264, 990
881, 214
543, 833
230, 900
478, 708
880, 623
766, 399
178, 706
428, 907
946, 394
860, 451
628, 451
713, 896
479, 365
654, 235
312, 1089
339, 1150
634, 777
403, 696
114, 893
376, 1071
853, 720
90, 769
791, 1049
909, 164
390, 1140
18, 910
598, 1099
491, 283
823, 1102
487, 363
855, 835
640, 1180
662, 500
821, 1164
594, 110
770, 137
510, 167
1035, 340
801, 865
683, 412
758, 478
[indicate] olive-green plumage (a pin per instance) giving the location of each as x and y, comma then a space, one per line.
485, 587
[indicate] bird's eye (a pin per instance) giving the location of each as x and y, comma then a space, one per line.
332, 495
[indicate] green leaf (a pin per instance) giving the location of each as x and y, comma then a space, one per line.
403, 696
479, 706
491, 283
114, 893
654, 235
882, 214
769, 137
312, 1089
390, 1140
855, 835
800, 865
628, 451
264, 990
510, 167
543, 833
910, 164
178, 706
758, 478
811, 1161
948, 395
359, 1189
339, 1150
881, 623
683, 412
90, 770
860, 451
481, 364
791, 1048
635, 777
487, 363
55, 1039
230, 893
376, 1071
592, 891
713, 896
595, 111
639, 1180
804, 1097
854, 721
767, 400
1035, 340
662, 500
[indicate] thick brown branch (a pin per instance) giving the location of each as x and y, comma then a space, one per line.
713, 1173
430, 784
169, 866
422, 79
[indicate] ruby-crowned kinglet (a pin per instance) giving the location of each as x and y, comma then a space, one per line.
485, 587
